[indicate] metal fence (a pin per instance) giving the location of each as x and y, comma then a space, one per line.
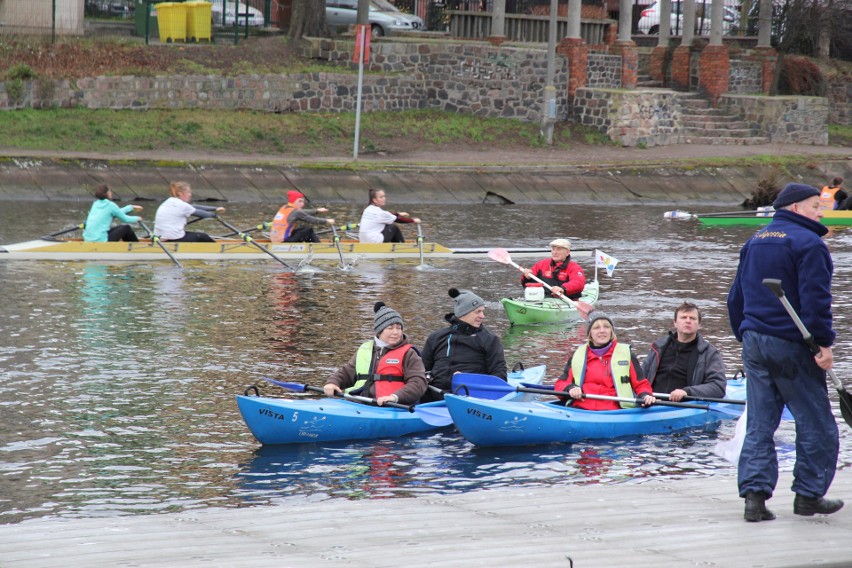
126, 17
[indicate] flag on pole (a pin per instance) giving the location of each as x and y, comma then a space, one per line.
603, 260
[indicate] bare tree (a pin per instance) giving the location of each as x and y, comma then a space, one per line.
308, 19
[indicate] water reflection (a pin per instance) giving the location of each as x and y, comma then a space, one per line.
118, 379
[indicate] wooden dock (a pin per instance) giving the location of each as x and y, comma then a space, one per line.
696, 522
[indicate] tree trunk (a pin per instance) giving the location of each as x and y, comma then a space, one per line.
308, 19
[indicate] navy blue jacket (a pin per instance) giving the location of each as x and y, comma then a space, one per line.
791, 249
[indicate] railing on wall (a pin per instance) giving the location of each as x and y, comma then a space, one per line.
523, 27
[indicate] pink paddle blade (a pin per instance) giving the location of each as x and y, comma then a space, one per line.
500, 255
583, 309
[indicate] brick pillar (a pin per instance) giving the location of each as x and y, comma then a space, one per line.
577, 54
659, 55
767, 57
714, 73
629, 62
680, 67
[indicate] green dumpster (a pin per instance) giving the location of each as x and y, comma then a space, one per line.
141, 7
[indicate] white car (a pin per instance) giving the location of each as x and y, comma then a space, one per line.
649, 21
255, 16
384, 17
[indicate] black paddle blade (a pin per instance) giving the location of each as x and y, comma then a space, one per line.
845, 404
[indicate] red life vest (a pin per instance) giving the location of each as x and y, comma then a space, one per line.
281, 228
390, 376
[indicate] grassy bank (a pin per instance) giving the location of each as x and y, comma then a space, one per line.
296, 134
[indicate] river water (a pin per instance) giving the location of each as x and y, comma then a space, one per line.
117, 380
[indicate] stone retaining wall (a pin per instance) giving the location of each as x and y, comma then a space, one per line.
797, 120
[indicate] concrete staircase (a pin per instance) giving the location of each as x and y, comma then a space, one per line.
706, 125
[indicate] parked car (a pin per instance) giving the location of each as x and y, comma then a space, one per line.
384, 17
255, 16
649, 20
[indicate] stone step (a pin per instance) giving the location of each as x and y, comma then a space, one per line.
723, 140
709, 112
714, 132
729, 124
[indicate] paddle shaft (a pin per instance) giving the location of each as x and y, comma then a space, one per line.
562, 297
338, 247
156, 240
508, 388
80, 227
251, 241
845, 399
703, 398
352, 397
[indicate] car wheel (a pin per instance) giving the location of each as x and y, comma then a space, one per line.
376, 31
655, 30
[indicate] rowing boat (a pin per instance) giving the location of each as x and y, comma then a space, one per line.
548, 310
238, 249
295, 421
518, 423
830, 218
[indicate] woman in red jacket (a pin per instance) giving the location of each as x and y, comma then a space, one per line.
602, 366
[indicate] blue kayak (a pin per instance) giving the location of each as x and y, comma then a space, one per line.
296, 421
518, 423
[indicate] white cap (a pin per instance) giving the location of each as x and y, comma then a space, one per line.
564, 243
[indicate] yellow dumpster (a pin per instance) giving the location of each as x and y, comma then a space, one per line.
171, 19
199, 16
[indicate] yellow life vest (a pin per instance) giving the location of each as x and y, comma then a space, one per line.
363, 360
618, 364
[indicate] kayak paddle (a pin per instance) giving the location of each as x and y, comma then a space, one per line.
665, 395
845, 398
760, 212
434, 416
502, 256
483, 386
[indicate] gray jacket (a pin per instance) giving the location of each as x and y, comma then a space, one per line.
706, 379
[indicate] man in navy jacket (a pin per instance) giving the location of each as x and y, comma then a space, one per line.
780, 368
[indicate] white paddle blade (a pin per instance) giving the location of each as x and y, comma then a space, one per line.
678, 214
500, 255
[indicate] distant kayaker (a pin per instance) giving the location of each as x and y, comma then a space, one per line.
291, 223
780, 367
387, 368
377, 225
465, 346
683, 363
172, 214
563, 274
603, 367
103, 211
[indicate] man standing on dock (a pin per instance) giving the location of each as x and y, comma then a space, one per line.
779, 365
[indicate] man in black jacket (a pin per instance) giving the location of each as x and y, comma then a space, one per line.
466, 346
683, 363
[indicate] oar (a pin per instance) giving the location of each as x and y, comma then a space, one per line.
434, 416
336, 240
156, 240
678, 214
420, 240
251, 241
844, 396
501, 255
346, 227
261, 227
80, 227
480, 386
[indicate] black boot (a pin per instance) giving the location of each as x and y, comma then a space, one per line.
755, 508
810, 506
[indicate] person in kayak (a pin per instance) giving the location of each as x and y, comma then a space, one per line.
683, 363
603, 367
465, 346
377, 225
290, 224
387, 368
171, 216
563, 274
780, 367
103, 211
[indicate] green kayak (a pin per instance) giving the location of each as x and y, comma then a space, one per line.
548, 310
